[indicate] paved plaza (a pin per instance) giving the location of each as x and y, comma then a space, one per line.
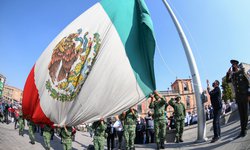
10, 140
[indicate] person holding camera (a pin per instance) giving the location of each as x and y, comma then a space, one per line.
237, 76
215, 97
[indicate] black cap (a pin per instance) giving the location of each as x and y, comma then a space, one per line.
234, 62
217, 82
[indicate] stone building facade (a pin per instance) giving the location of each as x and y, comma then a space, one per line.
180, 86
12, 94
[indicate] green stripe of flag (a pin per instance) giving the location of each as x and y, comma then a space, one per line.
134, 26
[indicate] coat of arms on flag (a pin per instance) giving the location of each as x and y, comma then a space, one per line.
71, 62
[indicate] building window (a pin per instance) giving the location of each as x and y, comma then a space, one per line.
185, 86
188, 102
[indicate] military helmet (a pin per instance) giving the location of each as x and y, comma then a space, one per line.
178, 96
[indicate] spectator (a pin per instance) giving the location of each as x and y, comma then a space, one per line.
223, 108
207, 113
234, 106
211, 111
194, 118
215, 96
228, 107
90, 130
119, 131
140, 129
188, 119
111, 135
172, 122
16, 116
6, 119
149, 128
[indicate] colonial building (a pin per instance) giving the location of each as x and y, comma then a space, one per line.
12, 94
180, 86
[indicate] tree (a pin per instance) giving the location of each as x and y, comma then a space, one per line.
227, 93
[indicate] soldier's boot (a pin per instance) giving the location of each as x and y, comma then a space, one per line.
32, 142
180, 139
162, 145
177, 139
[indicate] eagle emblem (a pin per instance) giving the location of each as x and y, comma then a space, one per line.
71, 62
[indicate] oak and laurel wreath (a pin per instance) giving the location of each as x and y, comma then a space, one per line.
60, 96
73, 94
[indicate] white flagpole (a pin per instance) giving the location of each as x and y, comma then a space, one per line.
201, 137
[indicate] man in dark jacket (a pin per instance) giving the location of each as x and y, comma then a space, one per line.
111, 135
239, 78
215, 97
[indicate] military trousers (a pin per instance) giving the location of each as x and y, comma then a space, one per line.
99, 142
31, 134
67, 143
21, 126
179, 128
129, 134
160, 130
242, 103
47, 137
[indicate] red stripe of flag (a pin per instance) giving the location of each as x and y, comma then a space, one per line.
31, 102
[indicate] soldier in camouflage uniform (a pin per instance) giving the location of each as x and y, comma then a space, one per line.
239, 79
66, 133
47, 135
99, 134
31, 131
180, 114
129, 118
21, 122
159, 104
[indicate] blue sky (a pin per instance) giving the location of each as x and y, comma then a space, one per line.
217, 31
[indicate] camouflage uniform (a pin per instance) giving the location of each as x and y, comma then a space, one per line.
21, 123
46, 136
179, 115
31, 131
159, 116
129, 128
99, 135
67, 138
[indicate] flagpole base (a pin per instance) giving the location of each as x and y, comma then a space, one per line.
201, 140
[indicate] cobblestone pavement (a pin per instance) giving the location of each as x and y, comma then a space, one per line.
10, 140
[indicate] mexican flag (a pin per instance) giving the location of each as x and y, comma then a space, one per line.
99, 65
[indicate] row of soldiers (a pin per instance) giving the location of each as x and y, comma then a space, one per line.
129, 118
65, 132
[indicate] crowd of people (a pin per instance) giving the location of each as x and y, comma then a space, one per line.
130, 128
12, 113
